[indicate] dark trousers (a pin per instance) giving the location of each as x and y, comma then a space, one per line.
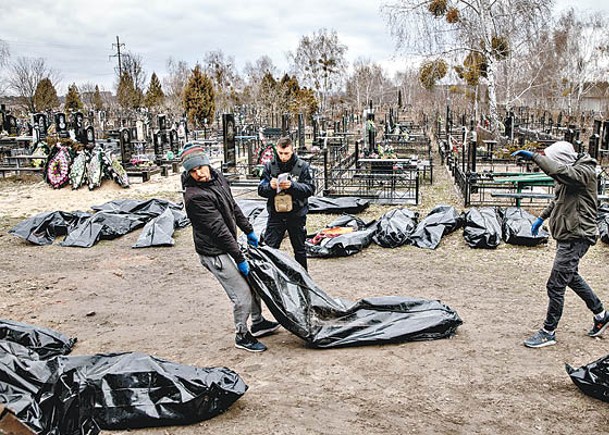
565, 274
296, 227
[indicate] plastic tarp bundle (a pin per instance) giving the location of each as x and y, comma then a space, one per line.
442, 220
482, 228
592, 379
603, 222
516, 227
111, 220
81, 394
158, 231
256, 213
44, 228
44, 342
307, 311
345, 236
395, 227
350, 205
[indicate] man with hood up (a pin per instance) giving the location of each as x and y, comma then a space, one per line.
215, 216
572, 221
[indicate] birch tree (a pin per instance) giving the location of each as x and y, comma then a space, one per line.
450, 30
319, 62
582, 46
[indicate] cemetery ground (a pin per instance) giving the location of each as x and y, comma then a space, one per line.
161, 301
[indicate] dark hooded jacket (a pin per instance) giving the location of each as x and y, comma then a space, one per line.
214, 215
573, 210
301, 189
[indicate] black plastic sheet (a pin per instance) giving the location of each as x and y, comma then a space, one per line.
603, 222
592, 379
81, 394
307, 311
135, 390
482, 228
44, 228
44, 342
442, 220
158, 231
352, 236
349, 205
111, 220
516, 227
104, 225
395, 227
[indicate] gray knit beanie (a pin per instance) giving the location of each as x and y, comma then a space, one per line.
194, 156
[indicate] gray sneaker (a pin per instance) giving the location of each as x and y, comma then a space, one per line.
540, 339
248, 342
599, 326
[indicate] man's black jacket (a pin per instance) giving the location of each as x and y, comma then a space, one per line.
214, 216
300, 190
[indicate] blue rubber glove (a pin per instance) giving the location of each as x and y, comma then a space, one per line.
243, 267
536, 226
524, 154
252, 240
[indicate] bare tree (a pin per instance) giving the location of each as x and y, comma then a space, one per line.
132, 65
259, 89
319, 62
367, 83
227, 82
4, 56
454, 29
174, 84
582, 45
25, 74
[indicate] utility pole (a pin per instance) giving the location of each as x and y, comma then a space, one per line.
118, 46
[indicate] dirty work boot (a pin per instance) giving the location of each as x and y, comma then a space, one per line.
264, 328
599, 326
540, 339
248, 342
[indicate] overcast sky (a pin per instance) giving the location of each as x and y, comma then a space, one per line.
76, 37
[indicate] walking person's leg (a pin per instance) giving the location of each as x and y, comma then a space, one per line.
579, 285
239, 292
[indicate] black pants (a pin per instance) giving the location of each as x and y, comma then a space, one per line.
276, 227
565, 274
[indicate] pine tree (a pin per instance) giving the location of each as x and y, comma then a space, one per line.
199, 98
98, 103
125, 93
73, 101
154, 95
45, 96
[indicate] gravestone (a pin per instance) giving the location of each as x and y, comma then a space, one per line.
40, 120
78, 119
126, 146
301, 132
162, 121
173, 141
10, 125
61, 126
285, 124
228, 139
89, 137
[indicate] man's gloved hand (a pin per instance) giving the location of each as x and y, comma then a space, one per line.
243, 267
252, 240
524, 154
536, 226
